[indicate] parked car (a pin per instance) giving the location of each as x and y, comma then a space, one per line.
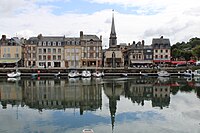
197, 63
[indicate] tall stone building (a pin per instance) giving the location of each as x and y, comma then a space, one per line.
91, 50
11, 52
162, 50
113, 55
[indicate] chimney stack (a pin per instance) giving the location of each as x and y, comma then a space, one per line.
81, 34
3, 37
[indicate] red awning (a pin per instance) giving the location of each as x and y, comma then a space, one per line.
182, 62
178, 62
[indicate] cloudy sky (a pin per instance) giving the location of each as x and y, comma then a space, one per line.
135, 20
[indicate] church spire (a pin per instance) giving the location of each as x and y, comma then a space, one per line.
113, 38
113, 25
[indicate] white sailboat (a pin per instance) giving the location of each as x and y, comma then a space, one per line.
14, 74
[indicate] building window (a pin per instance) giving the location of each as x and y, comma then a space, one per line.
49, 43
4, 50
40, 43
156, 56
97, 55
156, 51
166, 51
59, 50
49, 57
16, 55
54, 57
34, 55
54, 50
161, 56
44, 51
8, 49
40, 51
44, 43
59, 57
166, 56
49, 50
91, 55
40, 57
34, 48
44, 57
161, 50
54, 43
59, 43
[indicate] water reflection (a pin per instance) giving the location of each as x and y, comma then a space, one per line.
87, 95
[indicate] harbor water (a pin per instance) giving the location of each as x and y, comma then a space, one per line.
106, 105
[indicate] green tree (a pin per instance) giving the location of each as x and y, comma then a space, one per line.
187, 55
196, 52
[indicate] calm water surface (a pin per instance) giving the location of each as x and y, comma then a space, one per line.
109, 105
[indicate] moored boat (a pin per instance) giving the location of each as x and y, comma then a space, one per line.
14, 74
98, 74
88, 131
86, 74
73, 74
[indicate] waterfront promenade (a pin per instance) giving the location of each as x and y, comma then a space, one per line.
27, 71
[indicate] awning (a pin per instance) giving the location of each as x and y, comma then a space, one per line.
141, 62
8, 61
182, 62
178, 62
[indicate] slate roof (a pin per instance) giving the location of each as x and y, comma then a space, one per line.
90, 37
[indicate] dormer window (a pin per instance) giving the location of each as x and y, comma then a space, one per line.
49, 43
44, 43
54, 43
59, 43
40, 43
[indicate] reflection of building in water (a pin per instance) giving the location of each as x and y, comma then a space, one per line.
161, 95
113, 90
140, 90
61, 94
10, 93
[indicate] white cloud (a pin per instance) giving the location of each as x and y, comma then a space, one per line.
177, 20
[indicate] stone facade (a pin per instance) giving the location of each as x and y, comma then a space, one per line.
162, 50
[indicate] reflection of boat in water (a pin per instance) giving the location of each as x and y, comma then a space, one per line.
163, 79
196, 72
124, 74
14, 79
188, 73
163, 73
88, 131
98, 74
